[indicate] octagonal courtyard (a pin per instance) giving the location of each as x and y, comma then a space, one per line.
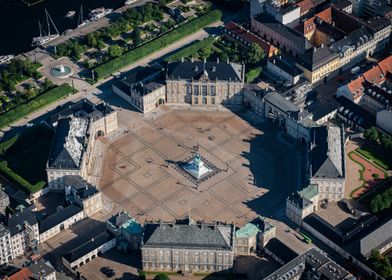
258, 166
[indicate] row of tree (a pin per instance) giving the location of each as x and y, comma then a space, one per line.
129, 20
381, 264
379, 138
381, 201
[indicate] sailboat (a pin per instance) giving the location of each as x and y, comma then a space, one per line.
43, 37
82, 22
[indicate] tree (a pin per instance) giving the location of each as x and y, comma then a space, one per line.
161, 276
371, 134
205, 52
255, 54
115, 51
100, 44
136, 36
91, 40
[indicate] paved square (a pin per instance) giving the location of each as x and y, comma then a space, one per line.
256, 168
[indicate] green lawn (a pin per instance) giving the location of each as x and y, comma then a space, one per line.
23, 158
253, 74
377, 156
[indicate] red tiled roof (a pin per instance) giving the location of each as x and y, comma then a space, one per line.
374, 75
309, 25
305, 6
250, 37
386, 65
23, 274
356, 87
326, 15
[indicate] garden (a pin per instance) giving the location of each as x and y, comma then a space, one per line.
378, 149
157, 44
135, 27
23, 158
213, 48
20, 82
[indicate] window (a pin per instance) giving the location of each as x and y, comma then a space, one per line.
213, 90
204, 101
196, 90
213, 100
204, 90
196, 100
188, 89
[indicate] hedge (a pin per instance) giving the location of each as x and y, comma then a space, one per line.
18, 180
192, 49
34, 104
184, 30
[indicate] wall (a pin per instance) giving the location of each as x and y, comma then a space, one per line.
187, 260
90, 256
44, 236
384, 120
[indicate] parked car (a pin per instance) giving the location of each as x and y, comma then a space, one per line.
110, 273
105, 269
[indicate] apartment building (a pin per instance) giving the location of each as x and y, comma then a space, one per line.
5, 245
24, 233
4, 201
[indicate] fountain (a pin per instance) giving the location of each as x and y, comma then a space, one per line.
61, 71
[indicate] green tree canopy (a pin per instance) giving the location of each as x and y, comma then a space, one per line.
371, 134
136, 36
255, 54
161, 276
115, 51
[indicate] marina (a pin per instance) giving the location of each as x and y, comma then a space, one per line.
17, 13
43, 36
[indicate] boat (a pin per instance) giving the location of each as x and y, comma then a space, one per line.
99, 12
82, 22
44, 37
6, 58
70, 14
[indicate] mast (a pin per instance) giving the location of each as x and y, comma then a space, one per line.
47, 21
80, 19
40, 28
49, 18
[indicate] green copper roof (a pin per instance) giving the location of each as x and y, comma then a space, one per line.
248, 230
132, 226
309, 192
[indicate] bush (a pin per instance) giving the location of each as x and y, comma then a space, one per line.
34, 104
253, 74
161, 276
191, 50
157, 44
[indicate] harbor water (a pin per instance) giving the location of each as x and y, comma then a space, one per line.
19, 22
